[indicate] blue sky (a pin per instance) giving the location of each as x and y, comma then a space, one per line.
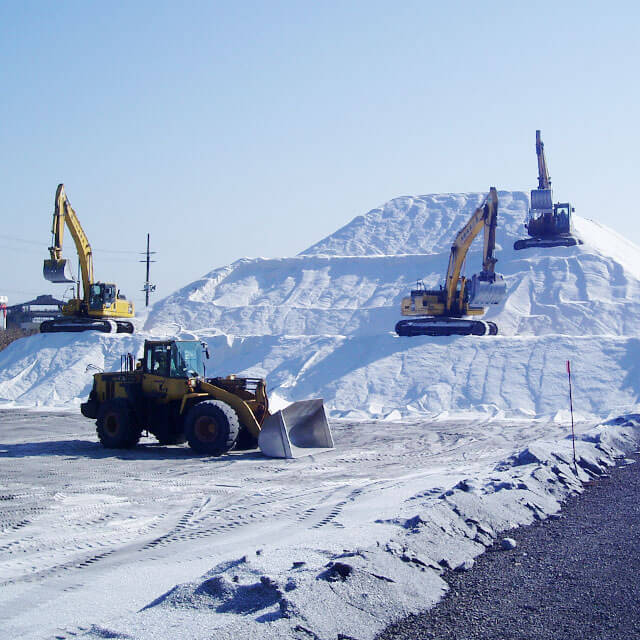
255, 129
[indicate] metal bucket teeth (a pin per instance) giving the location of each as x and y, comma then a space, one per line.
57, 271
299, 430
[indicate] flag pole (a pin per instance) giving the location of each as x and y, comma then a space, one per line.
573, 434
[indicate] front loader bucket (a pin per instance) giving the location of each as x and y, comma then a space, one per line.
298, 430
57, 271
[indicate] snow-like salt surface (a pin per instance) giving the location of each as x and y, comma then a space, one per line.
158, 543
441, 442
321, 324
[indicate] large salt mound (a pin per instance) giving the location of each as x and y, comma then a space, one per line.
321, 323
351, 283
419, 224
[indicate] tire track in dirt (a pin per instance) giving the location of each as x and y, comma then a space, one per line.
58, 569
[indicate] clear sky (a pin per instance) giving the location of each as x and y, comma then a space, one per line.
230, 129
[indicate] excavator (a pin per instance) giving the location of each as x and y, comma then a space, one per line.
442, 311
102, 307
548, 224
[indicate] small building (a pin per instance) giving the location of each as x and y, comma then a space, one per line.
29, 315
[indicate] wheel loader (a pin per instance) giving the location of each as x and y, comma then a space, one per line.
167, 394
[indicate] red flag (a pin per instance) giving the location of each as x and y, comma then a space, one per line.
568, 367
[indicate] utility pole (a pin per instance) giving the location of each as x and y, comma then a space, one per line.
148, 287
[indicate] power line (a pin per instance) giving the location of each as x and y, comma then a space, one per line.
20, 249
14, 239
20, 291
42, 244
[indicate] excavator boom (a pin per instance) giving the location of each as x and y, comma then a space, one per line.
484, 217
57, 269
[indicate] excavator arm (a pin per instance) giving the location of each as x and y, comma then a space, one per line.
56, 269
484, 217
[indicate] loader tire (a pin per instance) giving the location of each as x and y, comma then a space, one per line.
117, 427
212, 427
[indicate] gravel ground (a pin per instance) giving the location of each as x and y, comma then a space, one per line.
569, 578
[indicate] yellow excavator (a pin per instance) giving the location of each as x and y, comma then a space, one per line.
441, 312
102, 307
548, 224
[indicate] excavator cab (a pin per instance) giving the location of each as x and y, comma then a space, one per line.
562, 212
102, 296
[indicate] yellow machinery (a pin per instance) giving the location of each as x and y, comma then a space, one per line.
440, 312
548, 224
101, 306
168, 394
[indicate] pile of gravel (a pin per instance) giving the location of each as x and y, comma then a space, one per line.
570, 577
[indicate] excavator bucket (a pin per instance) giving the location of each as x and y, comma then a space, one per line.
57, 271
300, 429
483, 293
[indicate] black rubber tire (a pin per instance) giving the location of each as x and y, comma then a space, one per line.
212, 427
493, 328
246, 440
117, 427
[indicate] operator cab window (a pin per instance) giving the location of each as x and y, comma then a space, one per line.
109, 294
158, 357
186, 360
95, 297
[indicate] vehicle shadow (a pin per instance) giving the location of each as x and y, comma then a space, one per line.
90, 449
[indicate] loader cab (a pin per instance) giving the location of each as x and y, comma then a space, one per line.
101, 295
173, 358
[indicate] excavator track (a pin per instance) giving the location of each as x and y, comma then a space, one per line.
77, 325
432, 326
545, 243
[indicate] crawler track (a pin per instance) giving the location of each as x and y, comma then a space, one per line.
77, 325
432, 326
546, 243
